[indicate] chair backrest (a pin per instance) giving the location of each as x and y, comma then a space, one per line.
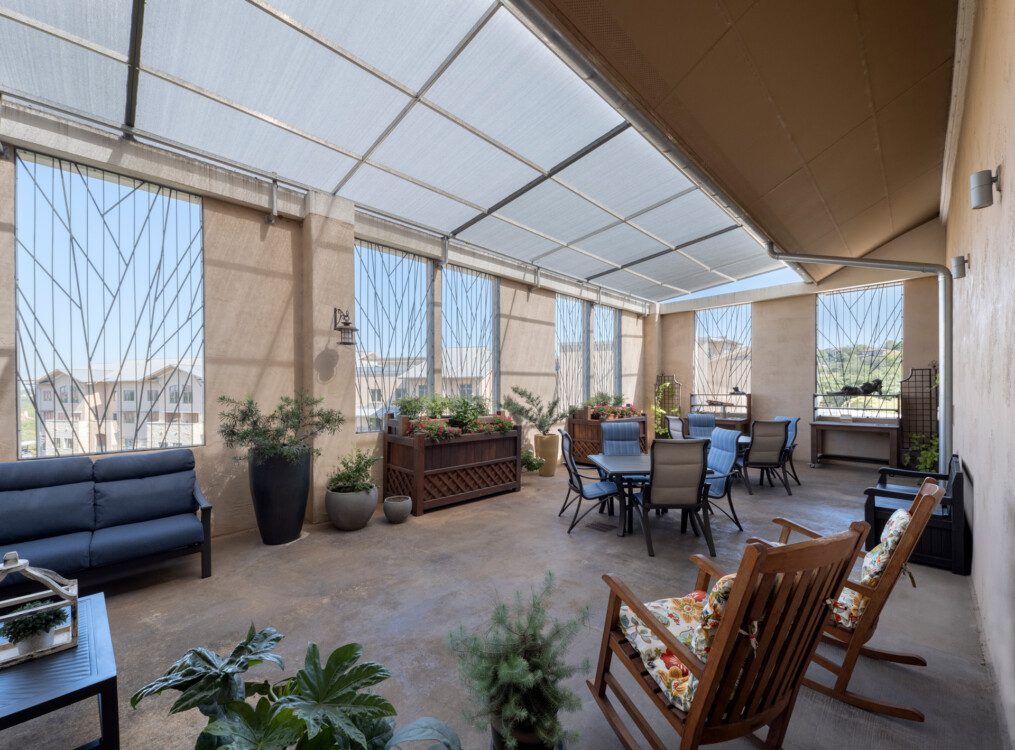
678, 472
621, 438
768, 440
770, 627
790, 429
700, 425
676, 427
722, 453
567, 451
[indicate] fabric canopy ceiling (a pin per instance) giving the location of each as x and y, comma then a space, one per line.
449, 115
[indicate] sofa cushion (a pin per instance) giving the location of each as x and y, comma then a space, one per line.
139, 465
130, 541
46, 511
66, 554
44, 472
133, 500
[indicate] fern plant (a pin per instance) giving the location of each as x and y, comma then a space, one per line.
516, 667
529, 407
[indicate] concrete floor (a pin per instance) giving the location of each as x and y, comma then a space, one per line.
399, 590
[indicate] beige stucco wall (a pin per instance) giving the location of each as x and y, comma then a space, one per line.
632, 352
676, 357
8, 400
984, 332
919, 323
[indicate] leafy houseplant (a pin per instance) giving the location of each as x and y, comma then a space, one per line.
465, 412
923, 451
529, 407
410, 406
530, 461
279, 448
351, 497
515, 670
324, 706
664, 391
33, 632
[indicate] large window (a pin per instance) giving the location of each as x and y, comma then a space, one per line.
109, 300
394, 344
571, 330
722, 351
469, 328
604, 357
859, 340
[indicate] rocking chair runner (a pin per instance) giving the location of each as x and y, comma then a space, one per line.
768, 630
853, 636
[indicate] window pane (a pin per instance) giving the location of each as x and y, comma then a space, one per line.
722, 353
605, 355
570, 350
469, 359
110, 303
859, 341
392, 345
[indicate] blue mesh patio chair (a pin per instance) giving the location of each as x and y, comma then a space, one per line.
623, 439
676, 427
790, 443
700, 426
722, 463
600, 493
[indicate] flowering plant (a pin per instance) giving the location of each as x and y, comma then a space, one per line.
435, 429
497, 423
609, 411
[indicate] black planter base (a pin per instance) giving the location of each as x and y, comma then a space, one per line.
279, 490
525, 742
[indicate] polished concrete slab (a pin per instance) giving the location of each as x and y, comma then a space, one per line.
399, 590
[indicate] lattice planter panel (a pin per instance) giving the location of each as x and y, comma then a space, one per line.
587, 435
438, 474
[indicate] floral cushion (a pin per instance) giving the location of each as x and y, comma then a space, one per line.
846, 612
693, 620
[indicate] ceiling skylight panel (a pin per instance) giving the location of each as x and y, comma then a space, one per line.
683, 219
106, 24
626, 174
672, 268
573, 263
630, 283
509, 85
621, 244
725, 248
433, 149
405, 40
556, 212
44, 67
741, 269
377, 189
193, 120
507, 239
234, 50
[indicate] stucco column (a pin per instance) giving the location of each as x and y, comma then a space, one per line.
651, 364
323, 367
8, 400
434, 322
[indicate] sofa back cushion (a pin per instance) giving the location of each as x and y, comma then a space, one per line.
141, 487
45, 497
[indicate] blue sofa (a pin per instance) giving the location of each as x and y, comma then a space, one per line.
74, 515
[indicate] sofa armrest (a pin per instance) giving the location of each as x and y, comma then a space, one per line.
882, 491
889, 471
202, 502
204, 508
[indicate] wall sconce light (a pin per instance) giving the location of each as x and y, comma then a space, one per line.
959, 265
346, 330
981, 193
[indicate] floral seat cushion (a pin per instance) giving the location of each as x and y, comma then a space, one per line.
846, 612
693, 620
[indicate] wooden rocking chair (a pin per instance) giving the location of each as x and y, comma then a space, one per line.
854, 640
769, 628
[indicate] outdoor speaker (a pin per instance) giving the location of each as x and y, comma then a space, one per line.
981, 188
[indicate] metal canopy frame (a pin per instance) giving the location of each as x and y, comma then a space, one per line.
713, 273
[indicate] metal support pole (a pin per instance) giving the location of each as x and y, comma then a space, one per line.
944, 304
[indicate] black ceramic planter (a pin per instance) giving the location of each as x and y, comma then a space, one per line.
279, 489
526, 741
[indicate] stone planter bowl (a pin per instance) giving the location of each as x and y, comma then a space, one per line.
350, 511
397, 508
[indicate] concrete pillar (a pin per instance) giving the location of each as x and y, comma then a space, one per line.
435, 313
324, 368
919, 323
8, 368
676, 341
650, 364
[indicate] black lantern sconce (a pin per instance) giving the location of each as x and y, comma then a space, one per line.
346, 330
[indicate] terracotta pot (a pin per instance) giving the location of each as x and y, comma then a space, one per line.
547, 447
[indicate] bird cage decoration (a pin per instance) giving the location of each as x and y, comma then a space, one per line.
39, 623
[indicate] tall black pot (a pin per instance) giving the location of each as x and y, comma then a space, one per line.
526, 740
279, 489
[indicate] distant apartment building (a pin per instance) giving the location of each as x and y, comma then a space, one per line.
119, 408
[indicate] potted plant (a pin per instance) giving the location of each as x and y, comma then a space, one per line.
530, 461
31, 633
324, 705
279, 451
529, 407
515, 669
351, 497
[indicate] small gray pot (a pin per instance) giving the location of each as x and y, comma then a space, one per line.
350, 511
397, 508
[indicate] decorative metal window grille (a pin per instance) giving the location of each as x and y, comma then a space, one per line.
571, 346
109, 293
859, 340
394, 346
470, 365
605, 371
722, 351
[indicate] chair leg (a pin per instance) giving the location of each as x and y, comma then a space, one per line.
729, 499
695, 523
567, 501
645, 529
575, 519
785, 480
792, 469
707, 530
747, 480
683, 522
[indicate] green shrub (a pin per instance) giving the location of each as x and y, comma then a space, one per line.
410, 406
465, 412
22, 628
530, 461
353, 473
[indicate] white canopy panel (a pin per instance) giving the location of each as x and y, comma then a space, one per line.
450, 115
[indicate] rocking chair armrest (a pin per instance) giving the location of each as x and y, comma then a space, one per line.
860, 588
789, 526
707, 570
766, 542
687, 657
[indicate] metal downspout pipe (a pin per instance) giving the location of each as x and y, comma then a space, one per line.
944, 312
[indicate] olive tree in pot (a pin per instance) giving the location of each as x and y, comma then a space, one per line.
515, 669
351, 497
279, 452
528, 407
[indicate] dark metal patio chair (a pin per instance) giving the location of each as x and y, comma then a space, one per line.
583, 487
791, 432
722, 463
767, 453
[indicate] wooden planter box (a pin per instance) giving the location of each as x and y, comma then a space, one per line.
587, 435
463, 468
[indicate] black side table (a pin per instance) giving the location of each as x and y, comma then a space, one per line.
34, 688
